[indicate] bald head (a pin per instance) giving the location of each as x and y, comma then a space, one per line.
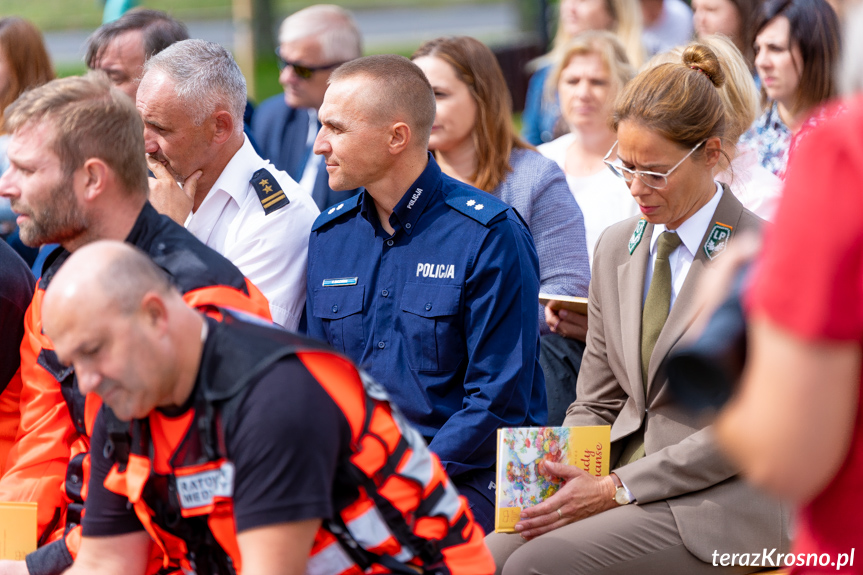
113, 314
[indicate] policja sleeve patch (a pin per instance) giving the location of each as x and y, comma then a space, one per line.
267, 187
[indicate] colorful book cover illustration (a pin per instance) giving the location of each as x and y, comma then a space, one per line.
520, 480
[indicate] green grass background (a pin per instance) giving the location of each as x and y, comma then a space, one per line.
87, 14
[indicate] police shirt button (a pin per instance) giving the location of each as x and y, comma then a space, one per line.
381, 344
385, 293
79, 422
74, 479
335, 308
407, 226
428, 307
389, 242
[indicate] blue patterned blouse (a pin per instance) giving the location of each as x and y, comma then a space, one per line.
771, 139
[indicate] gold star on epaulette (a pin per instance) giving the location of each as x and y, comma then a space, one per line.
271, 195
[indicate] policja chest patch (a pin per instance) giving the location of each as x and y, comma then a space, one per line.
717, 240
637, 235
271, 195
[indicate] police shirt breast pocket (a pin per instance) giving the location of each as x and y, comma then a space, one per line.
432, 326
341, 308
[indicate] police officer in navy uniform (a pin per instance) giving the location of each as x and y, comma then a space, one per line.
428, 283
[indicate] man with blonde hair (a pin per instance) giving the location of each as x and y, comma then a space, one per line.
78, 174
312, 43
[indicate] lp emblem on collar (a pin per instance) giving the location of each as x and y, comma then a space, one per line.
717, 241
636, 235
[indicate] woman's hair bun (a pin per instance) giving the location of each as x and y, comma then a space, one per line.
702, 59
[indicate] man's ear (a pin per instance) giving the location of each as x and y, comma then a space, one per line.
223, 126
94, 175
399, 138
154, 310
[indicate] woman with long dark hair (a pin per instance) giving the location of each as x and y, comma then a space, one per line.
797, 45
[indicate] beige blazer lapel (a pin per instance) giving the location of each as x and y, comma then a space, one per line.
630, 281
684, 310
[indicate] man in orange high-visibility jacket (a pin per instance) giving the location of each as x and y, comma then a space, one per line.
78, 174
236, 447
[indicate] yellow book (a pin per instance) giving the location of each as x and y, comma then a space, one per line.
17, 530
520, 482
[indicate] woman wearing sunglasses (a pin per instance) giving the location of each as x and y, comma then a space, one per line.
671, 501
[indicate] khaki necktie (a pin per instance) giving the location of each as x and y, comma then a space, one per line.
658, 300
653, 316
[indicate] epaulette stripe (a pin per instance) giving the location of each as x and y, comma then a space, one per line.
270, 201
269, 193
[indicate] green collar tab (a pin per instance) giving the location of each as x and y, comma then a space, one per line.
717, 240
637, 235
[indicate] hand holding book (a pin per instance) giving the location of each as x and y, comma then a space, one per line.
567, 323
548, 477
566, 315
581, 496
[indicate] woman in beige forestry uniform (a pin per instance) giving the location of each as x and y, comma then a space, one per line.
673, 504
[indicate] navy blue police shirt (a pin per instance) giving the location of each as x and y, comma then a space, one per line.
442, 313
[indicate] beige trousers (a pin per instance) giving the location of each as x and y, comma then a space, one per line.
628, 540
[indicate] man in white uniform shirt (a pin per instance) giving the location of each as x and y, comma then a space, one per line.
208, 176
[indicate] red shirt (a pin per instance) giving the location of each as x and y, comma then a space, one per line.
810, 282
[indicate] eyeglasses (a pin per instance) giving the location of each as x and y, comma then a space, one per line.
304, 72
655, 180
